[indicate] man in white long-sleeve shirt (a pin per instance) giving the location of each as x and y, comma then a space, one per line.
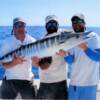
18, 72
53, 83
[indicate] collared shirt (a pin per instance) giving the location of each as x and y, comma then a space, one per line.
20, 71
85, 71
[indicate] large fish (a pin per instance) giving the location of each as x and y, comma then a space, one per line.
49, 45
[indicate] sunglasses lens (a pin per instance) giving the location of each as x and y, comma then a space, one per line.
19, 25
77, 21
54, 24
49, 24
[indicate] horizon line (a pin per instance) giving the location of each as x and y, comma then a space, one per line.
44, 25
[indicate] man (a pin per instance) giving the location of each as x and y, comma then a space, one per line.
18, 74
53, 69
85, 67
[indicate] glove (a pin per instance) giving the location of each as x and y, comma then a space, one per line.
44, 63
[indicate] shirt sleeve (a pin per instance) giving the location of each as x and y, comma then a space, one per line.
93, 54
95, 42
69, 59
93, 51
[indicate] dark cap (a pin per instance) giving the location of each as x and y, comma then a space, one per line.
78, 16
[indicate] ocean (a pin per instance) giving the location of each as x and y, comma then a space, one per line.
37, 32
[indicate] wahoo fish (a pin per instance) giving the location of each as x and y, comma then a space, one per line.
49, 45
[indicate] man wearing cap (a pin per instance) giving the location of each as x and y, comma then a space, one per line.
53, 83
18, 75
85, 67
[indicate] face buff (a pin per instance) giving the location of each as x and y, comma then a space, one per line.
52, 26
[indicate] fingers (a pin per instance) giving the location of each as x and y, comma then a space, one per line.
14, 56
57, 53
18, 59
22, 60
35, 58
83, 46
61, 53
61, 50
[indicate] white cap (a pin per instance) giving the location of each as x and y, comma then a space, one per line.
51, 17
80, 16
18, 19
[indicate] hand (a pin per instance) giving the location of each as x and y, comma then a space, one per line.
44, 63
62, 53
35, 61
83, 46
18, 60
45, 66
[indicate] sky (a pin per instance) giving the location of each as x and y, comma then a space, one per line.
35, 11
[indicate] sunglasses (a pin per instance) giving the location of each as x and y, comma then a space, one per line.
52, 23
19, 25
77, 21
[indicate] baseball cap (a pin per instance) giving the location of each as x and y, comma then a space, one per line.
18, 19
51, 17
79, 16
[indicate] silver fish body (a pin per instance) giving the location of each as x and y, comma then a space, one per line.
49, 45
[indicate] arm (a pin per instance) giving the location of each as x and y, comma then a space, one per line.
69, 58
35, 61
44, 63
92, 54
8, 64
16, 60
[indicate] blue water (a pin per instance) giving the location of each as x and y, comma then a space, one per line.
37, 32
